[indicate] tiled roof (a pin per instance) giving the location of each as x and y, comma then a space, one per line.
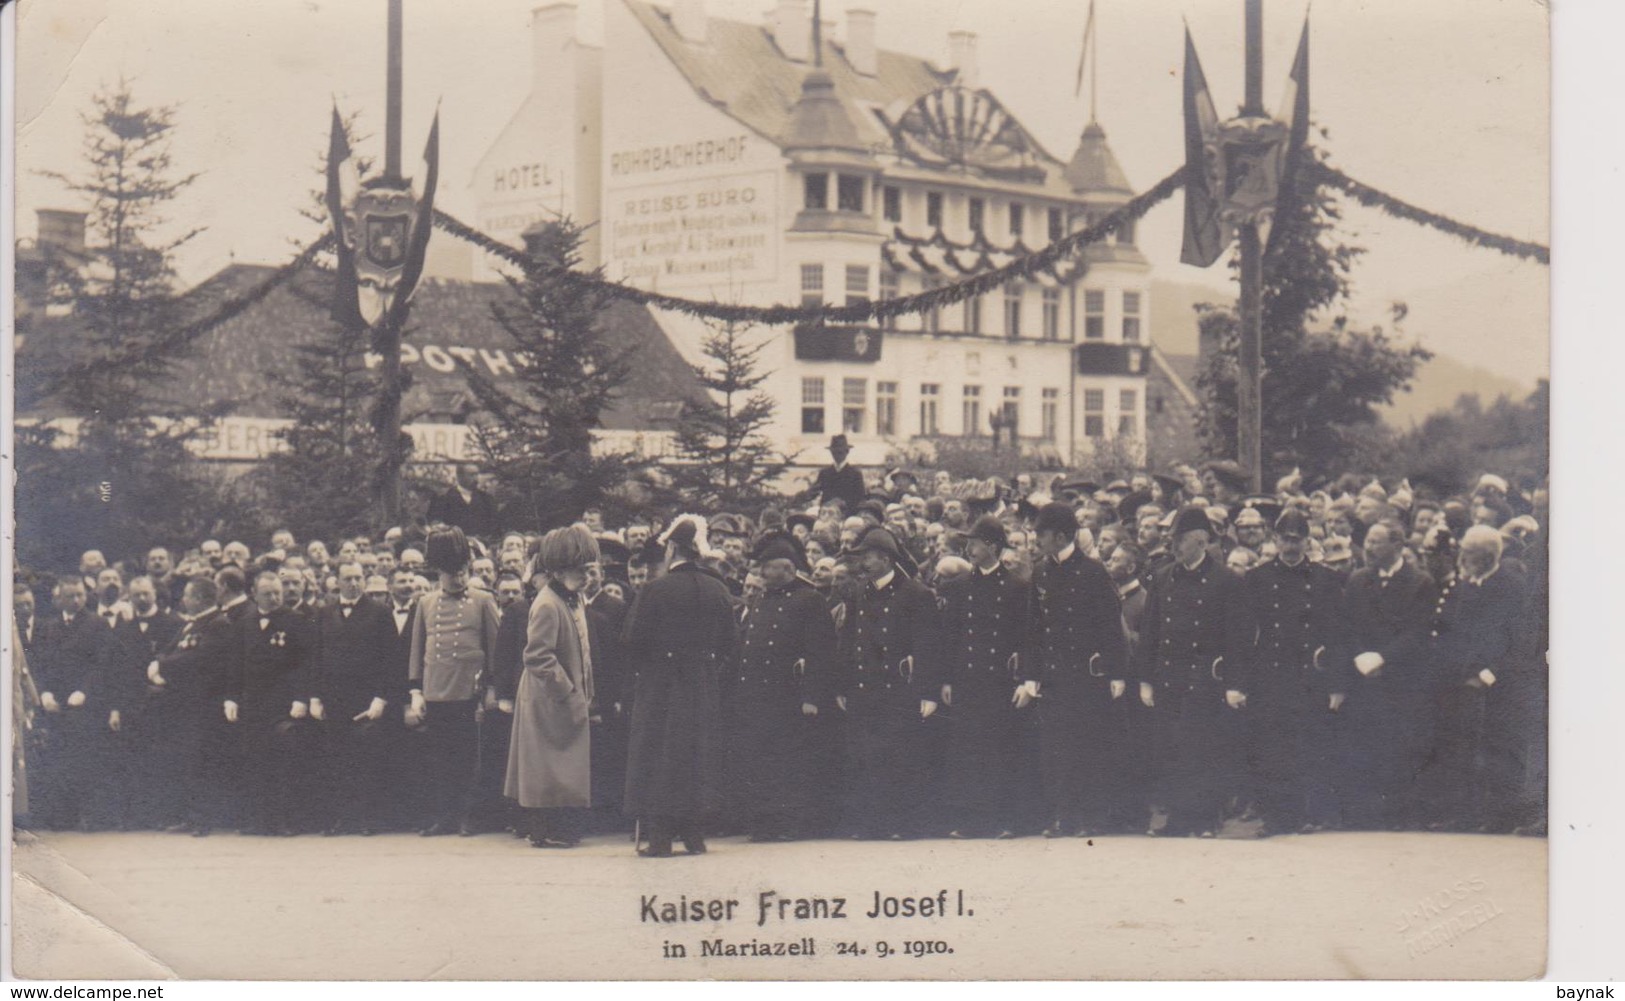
230, 362
1094, 168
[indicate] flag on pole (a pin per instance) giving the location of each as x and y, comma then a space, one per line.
1295, 106
423, 225
1206, 234
343, 180
1083, 55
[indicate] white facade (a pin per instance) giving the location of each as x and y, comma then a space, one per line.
693, 199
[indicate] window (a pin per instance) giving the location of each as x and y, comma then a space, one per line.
973, 315
933, 209
1052, 314
812, 405
1094, 316
1050, 414
888, 290
857, 284
1131, 317
886, 408
1125, 233
815, 188
854, 402
1094, 413
812, 284
1011, 412
971, 412
930, 393
977, 210
1057, 225
849, 193
1012, 309
1018, 219
931, 319
1128, 418
891, 201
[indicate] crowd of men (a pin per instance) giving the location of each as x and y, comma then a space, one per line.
1162, 654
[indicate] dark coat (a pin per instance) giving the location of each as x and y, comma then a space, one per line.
353, 663
680, 636
509, 658
986, 635
1079, 643
121, 681
67, 652
1482, 626
845, 483
893, 638
272, 666
1389, 617
786, 659
1298, 622
476, 517
1195, 630
400, 651
196, 664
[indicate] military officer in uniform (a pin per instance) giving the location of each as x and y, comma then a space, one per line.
1191, 665
1075, 673
786, 664
892, 682
985, 640
1297, 614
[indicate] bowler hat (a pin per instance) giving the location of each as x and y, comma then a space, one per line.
838, 443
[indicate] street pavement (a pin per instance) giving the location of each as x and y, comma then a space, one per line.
399, 907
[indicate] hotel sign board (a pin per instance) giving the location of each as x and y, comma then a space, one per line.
713, 231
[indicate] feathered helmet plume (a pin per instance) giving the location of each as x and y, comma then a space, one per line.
689, 532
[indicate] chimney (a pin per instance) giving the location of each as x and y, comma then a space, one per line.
792, 30
688, 17
962, 57
63, 230
860, 41
552, 27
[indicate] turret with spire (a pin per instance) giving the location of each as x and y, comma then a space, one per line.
821, 139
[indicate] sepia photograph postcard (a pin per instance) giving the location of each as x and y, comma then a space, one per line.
813, 490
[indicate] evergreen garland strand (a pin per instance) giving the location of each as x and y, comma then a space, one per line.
1372, 198
1023, 268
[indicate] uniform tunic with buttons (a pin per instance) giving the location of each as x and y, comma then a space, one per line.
787, 659
1080, 647
892, 637
1194, 646
986, 637
454, 638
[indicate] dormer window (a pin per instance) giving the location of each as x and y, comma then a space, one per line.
849, 193
815, 191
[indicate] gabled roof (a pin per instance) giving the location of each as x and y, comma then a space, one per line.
743, 72
230, 363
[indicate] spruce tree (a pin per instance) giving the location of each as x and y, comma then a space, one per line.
106, 360
727, 462
535, 430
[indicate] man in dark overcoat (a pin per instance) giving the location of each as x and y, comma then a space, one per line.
1387, 717
1297, 615
1191, 664
786, 663
891, 683
189, 684
269, 694
68, 644
1074, 675
352, 689
680, 636
121, 789
985, 627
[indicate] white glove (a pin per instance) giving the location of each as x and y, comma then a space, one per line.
420, 708
153, 675
1487, 676
1234, 699
1368, 663
505, 705
490, 697
927, 707
299, 710
231, 711
1147, 695
808, 709
47, 701
1337, 701
113, 721
316, 710
1026, 693
374, 711
840, 702
947, 695
1119, 686
76, 700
